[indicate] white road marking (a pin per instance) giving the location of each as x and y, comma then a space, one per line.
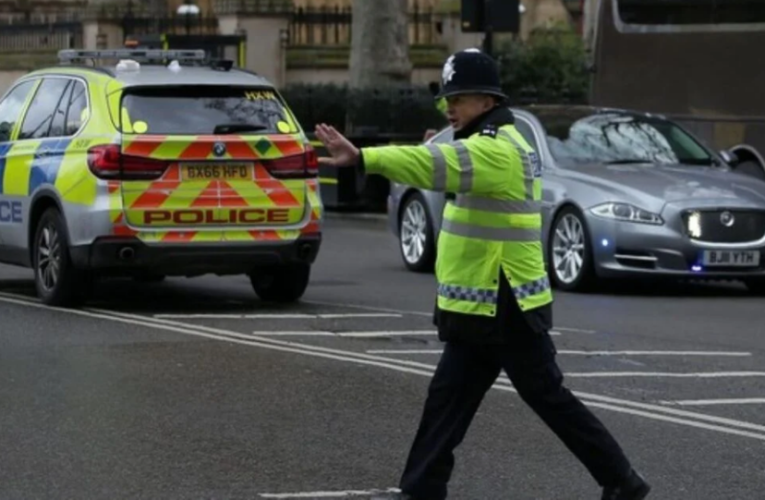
574, 330
653, 353
556, 331
276, 316
426, 369
359, 315
367, 308
329, 494
405, 351
652, 411
666, 374
582, 353
392, 333
306, 333
318, 333
709, 402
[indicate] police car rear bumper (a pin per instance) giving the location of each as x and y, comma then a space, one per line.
128, 255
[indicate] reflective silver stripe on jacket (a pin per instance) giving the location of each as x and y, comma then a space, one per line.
498, 206
440, 168
456, 292
528, 173
466, 167
491, 233
531, 288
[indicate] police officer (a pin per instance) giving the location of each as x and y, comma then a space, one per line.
494, 303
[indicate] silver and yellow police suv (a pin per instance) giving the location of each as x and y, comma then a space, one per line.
161, 163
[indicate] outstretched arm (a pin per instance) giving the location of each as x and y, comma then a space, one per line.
464, 166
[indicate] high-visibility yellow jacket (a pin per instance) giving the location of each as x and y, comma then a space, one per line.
492, 228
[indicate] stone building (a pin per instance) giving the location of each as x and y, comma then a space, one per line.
308, 41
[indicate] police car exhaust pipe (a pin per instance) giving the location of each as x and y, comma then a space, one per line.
126, 253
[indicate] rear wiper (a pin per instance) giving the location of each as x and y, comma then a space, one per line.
627, 162
232, 128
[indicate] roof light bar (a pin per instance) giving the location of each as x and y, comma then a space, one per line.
70, 55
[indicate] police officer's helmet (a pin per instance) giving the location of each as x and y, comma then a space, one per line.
470, 72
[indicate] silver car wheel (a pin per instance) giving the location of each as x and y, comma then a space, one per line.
413, 231
568, 249
49, 257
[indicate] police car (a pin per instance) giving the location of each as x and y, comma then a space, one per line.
161, 163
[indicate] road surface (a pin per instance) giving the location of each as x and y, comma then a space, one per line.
194, 389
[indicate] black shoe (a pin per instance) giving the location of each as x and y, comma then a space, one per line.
632, 488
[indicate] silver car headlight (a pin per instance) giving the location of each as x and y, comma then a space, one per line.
627, 213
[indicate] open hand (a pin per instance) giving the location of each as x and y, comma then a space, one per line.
343, 153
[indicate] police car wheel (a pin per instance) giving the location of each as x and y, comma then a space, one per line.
415, 235
284, 284
570, 261
57, 281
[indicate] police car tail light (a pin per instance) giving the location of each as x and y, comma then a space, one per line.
300, 166
108, 162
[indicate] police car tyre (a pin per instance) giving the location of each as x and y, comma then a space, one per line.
284, 284
57, 281
570, 260
415, 235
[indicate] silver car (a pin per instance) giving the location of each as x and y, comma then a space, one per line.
625, 194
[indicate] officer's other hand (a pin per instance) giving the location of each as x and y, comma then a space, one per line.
342, 152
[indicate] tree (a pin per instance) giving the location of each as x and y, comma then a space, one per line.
552, 65
379, 43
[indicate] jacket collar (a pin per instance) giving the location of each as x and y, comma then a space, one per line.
497, 117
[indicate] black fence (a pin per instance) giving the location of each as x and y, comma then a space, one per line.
173, 25
332, 26
309, 26
21, 37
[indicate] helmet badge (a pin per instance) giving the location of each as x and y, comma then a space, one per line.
448, 72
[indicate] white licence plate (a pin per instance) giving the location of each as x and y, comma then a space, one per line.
732, 258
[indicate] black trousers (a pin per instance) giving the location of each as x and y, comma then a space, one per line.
464, 375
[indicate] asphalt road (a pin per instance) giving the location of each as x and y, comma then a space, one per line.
194, 389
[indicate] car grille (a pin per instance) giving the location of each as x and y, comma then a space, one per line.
709, 225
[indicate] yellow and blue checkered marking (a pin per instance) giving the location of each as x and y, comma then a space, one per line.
47, 162
24, 167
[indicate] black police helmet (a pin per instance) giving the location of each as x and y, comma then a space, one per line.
470, 72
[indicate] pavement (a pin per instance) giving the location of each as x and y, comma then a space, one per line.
195, 389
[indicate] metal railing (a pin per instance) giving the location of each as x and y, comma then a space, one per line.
309, 26
253, 6
332, 26
26, 37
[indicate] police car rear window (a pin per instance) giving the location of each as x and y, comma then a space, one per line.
201, 110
